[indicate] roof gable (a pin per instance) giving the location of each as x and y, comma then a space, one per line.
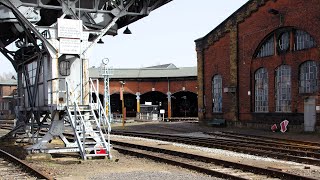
163, 66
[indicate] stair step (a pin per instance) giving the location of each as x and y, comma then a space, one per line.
79, 130
87, 132
90, 137
82, 115
96, 155
94, 148
93, 143
87, 136
79, 107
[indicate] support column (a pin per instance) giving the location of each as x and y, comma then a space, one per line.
54, 81
138, 101
138, 115
234, 109
200, 62
85, 81
169, 104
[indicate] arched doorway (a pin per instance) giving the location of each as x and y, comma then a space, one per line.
130, 103
156, 98
184, 104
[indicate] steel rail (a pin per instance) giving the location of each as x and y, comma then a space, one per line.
288, 141
313, 150
266, 141
257, 170
229, 145
177, 163
24, 166
295, 150
204, 142
263, 171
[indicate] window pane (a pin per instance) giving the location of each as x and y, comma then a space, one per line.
261, 90
217, 93
284, 41
267, 49
308, 77
64, 68
303, 40
283, 89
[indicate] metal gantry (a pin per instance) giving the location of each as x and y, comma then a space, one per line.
52, 39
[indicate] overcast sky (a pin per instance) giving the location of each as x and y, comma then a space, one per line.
165, 36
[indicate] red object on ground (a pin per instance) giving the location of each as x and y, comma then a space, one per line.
284, 125
274, 127
101, 150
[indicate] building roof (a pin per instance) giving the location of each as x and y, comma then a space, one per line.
9, 82
161, 71
164, 66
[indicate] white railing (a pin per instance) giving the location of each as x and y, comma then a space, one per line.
101, 111
100, 108
76, 110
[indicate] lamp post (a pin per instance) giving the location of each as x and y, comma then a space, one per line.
106, 73
122, 101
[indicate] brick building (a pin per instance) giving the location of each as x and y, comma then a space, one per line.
166, 86
7, 102
261, 65
171, 88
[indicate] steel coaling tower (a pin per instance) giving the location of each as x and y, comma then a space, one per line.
47, 42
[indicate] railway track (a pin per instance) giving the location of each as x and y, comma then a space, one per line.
272, 140
296, 151
309, 155
13, 168
207, 165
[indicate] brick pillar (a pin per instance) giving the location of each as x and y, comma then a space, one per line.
234, 110
200, 63
169, 105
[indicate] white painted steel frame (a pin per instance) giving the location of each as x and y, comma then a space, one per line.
47, 56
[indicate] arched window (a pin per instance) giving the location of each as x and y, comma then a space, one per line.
267, 49
261, 90
308, 77
283, 89
303, 40
284, 39
284, 42
217, 94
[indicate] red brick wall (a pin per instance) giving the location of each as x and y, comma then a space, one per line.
133, 86
297, 14
216, 61
7, 90
253, 23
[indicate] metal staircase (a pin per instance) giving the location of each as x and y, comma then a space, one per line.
88, 123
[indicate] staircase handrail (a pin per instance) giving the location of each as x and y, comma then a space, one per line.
76, 109
101, 108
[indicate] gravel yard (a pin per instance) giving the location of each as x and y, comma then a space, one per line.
122, 167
